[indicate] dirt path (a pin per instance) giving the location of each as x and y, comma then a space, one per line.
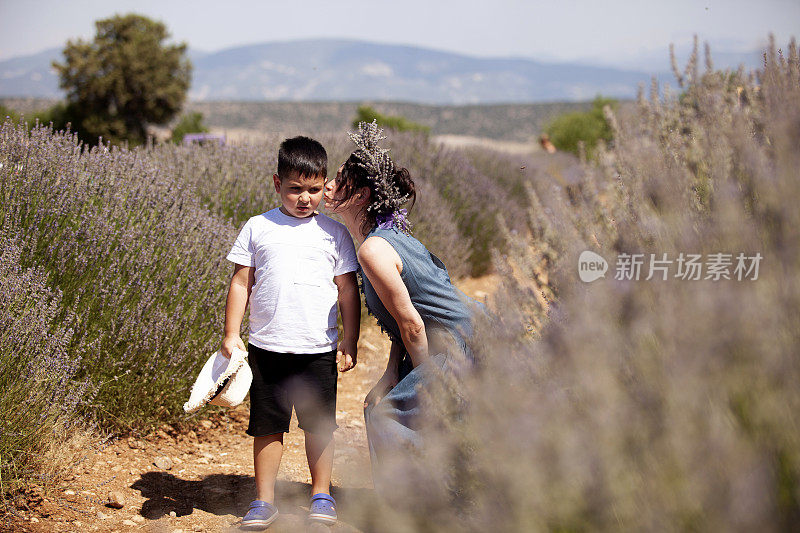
202, 480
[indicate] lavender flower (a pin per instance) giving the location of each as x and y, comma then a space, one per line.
396, 219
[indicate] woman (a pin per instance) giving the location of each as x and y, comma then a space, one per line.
406, 288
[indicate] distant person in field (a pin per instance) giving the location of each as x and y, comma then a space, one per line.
293, 265
547, 145
406, 288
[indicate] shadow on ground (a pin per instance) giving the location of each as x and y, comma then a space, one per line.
231, 494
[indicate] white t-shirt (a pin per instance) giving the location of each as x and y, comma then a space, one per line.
293, 301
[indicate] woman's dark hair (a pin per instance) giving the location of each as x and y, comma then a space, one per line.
355, 176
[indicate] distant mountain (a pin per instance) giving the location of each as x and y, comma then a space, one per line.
349, 70
31, 76
342, 70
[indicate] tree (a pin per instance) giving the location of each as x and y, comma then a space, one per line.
123, 80
567, 130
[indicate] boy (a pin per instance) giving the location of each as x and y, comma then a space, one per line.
293, 265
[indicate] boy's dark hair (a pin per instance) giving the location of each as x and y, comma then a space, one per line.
303, 156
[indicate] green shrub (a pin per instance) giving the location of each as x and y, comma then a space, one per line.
189, 123
570, 129
7, 112
60, 116
368, 114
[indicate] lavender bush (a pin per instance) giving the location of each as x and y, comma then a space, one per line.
472, 198
136, 256
233, 182
638, 405
40, 394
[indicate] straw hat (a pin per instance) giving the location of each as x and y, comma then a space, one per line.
222, 381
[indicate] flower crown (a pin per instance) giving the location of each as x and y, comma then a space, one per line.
387, 198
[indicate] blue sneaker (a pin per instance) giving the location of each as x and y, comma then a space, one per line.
323, 509
259, 516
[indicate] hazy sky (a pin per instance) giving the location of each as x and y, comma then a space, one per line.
613, 31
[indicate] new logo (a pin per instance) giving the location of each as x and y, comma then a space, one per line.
591, 266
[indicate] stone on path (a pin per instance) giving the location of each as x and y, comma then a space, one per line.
164, 463
116, 499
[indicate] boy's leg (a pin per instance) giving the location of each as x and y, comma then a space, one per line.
319, 453
315, 405
270, 413
267, 452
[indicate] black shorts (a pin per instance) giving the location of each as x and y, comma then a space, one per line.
281, 381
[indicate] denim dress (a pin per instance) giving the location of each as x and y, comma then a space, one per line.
393, 423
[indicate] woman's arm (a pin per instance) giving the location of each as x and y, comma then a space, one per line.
382, 266
389, 378
235, 306
393, 365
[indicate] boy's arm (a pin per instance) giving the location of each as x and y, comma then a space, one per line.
235, 305
350, 307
